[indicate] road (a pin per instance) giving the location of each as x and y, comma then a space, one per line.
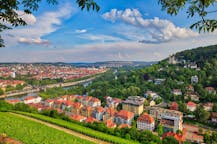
45, 87
98, 141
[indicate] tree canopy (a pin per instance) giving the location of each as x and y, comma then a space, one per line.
9, 16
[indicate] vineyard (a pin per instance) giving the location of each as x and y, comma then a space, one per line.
80, 129
30, 132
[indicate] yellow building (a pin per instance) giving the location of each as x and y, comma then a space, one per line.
134, 104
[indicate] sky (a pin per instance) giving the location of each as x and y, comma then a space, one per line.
123, 30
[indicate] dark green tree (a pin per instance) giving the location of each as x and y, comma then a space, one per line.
170, 140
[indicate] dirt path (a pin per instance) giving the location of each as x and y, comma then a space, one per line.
63, 129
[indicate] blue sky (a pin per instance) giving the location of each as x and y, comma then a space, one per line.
121, 30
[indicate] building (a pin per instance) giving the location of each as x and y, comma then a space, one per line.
194, 79
124, 126
192, 96
110, 124
109, 114
124, 117
214, 117
177, 92
174, 106
94, 102
210, 90
145, 122
191, 106
179, 137
13, 101
134, 104
98, 113
77, 117
76, 107
86, 111
172, 59
32, 99
151, 94
171, 120
112, 102
208, 106
190, 88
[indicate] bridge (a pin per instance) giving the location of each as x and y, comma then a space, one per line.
15, 93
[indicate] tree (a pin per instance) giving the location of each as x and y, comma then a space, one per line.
201, 114
194, 7
170, 140
160, 129
1, 92
215, 107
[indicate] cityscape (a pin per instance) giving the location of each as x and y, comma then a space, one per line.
92, 72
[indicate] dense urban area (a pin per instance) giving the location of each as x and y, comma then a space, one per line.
170, 102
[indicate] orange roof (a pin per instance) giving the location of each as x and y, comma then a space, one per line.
77, 117
209, 104
125, 114
76, 105
210, 88
30, 98
49, 100
124, 125
214, 114
174, 106
91, 120
146, 118
99, 109
191, 104
111, 111
13, 101
68, 103
178, 137
110, 123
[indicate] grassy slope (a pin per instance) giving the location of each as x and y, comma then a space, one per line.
30, 132
81, 129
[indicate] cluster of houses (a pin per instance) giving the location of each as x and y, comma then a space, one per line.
13, 83
44, 71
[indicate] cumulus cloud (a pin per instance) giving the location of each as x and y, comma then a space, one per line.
38, 27
80, 31
157, 30
30, 19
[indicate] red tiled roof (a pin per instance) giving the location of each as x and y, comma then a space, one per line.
178, 137
214, 114
111, 111
110, 123
77, 117
91, 120
30, 98
76, 105
125, 114
99, 109
174, 106
13, 101
191, 104
124, 125
146, 118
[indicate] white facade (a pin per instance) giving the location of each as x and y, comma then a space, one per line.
145, 126
33, 100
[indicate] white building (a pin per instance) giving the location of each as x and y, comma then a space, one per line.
194, 79
145, 122
32, 99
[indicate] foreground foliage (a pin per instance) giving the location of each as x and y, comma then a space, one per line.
30, 132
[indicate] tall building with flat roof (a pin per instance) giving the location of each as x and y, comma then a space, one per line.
134, 104
171, 120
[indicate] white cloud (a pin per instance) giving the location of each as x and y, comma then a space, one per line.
99, 37
33, 41
157, 30
40, 26
80, 31
30, 19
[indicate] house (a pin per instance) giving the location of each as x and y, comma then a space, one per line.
174, 106
191, 106
90, 120
13, 101
208, 106
49, 102
110, 124
177, 92
76, 107
134, 104
124, 126
214, 117
124, 117
194, 79
77, 117
192, 96
179, 137
86, 111
190, 88
210, 90
145, 122
109, 114
94, 102
159, 81
98, 113
112, 102
192, 65
152, 103
32, 99
58, 103
151, 94
171, 120
66, 105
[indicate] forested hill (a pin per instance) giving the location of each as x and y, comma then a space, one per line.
198, 55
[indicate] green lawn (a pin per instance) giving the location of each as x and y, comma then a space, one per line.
30, 132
